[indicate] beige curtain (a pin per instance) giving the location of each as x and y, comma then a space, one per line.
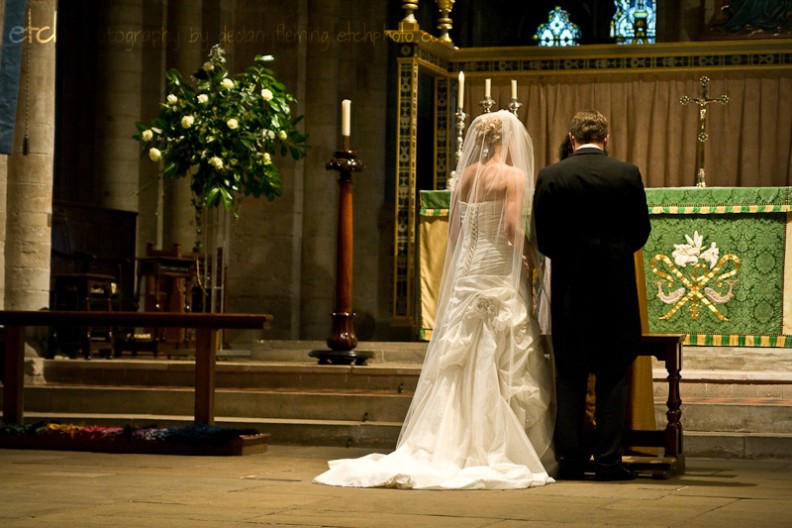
750, 138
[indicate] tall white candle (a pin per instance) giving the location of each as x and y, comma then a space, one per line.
346, 115
461, 94
514, 89
487, 88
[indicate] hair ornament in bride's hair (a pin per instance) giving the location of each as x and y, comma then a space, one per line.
489, 128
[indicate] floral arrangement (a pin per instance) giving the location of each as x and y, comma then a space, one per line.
224, 131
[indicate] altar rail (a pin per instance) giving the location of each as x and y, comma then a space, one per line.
207, 329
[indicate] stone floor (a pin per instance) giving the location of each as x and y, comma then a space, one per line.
274, 489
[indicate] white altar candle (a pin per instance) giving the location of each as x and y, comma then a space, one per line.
346, 115
514, 89
487, 88
461, 94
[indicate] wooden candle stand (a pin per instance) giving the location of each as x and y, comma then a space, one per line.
343, 340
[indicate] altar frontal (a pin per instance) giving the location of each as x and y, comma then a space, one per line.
719, 266
718, 263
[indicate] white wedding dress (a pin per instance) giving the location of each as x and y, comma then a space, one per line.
480, 417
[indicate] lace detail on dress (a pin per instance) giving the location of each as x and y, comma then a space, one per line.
472, 219
484, 249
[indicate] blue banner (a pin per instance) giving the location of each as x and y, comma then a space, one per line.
10, 61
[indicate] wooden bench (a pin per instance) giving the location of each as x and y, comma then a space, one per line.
668, 349
207, 328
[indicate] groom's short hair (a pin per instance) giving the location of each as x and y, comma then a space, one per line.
589, 126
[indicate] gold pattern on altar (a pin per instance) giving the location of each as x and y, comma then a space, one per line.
702, 275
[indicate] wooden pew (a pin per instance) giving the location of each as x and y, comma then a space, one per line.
207, 328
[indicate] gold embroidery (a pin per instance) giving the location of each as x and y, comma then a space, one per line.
694, 287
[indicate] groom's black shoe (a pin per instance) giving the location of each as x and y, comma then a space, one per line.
570, 471
614, 472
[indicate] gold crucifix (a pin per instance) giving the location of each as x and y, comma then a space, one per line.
702, 101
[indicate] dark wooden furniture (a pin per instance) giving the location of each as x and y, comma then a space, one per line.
90, 292
95, 240
207, 328
92, 268
166, 280
668, 349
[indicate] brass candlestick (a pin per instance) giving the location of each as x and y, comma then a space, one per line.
487, 103
514, 106
409, 22
460, 133
460, 136
444, 23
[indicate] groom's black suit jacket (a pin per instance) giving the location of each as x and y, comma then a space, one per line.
591, 217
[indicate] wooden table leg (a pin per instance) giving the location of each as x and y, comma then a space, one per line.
14, 382
206, 345
673, 432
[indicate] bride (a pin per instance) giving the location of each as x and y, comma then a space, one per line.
481, 416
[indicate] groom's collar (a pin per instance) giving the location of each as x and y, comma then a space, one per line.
589, 146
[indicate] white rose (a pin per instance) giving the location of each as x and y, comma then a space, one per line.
216, 162
266, 94
187, 121
227, 83
203, 98
270, 134
208, 66
155, 154
172, 99
282, 135
147, 135
232, 123
267, 158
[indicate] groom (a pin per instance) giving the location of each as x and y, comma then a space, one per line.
591, 216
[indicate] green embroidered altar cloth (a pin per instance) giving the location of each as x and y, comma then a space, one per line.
718, 264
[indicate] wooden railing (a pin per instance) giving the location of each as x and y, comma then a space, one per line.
207, 329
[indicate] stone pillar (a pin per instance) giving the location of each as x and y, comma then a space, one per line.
150, 203
29, 188
118, 107
3, 213
323, 94
185, 23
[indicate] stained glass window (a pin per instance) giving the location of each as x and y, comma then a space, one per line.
634, 22
558, 31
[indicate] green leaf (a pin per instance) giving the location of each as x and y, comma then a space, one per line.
213, 197
228, 199
173, 76
170, 171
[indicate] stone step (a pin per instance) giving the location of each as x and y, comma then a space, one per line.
737, 445
728, 383
730, 401
297, 351
732, 415
377, 406
233, 374
713, 359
